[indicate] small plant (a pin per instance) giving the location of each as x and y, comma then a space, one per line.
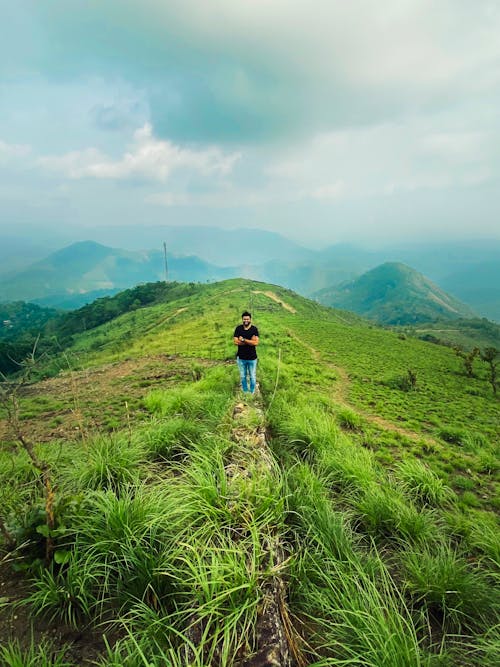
490, 356
467, 358
164, 439
409, 381
348, 469
66, 594
456, 436
111, 462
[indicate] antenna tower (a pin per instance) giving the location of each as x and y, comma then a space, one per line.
166, 263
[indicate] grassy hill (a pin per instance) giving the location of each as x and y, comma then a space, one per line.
393, 293
346, 515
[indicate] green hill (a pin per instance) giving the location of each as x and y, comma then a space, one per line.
395, 294
347, 514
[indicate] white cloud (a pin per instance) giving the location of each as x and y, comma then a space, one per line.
148, 158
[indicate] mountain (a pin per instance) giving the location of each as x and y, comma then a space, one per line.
224, 247
89, 268
394, 293
469, 270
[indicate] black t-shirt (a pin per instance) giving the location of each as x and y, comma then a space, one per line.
246, 351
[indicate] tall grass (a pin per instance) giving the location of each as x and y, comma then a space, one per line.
459, 596
351, 615
38, 654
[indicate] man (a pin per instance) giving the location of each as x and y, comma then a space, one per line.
246, 337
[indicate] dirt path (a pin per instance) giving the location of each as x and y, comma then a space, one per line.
276, 298
340, 393
274, 641
164, 319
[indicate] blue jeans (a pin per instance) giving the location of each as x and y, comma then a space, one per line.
247, 367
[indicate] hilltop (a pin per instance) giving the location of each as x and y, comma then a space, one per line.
395, 294
192, 525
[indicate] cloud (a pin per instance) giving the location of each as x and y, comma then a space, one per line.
148, 158
238, 71
383, 159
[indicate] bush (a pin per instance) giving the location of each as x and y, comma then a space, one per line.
164, 440
110, 462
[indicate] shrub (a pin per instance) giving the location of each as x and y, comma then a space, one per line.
348, 469
66, 594
385, 514
453, 435
38, 654
164, 439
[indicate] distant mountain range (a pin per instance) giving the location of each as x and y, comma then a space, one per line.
85, 270
395, 294
69, 278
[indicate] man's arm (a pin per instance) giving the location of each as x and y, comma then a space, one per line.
237, 341
254, 340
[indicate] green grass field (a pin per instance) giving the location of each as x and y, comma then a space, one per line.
162, 522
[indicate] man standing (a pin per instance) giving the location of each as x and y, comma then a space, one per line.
246, 337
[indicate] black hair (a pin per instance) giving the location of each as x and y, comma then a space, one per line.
246, 314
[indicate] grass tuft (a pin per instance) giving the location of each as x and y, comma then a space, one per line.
454, 593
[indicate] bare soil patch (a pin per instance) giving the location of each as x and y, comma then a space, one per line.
105, 398
276, 298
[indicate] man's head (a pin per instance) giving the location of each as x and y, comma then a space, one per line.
246, 318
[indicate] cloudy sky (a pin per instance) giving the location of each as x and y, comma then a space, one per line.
325, 120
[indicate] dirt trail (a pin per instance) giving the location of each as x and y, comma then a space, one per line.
253, 457
340, 394
275, 642
164, 319
276, 298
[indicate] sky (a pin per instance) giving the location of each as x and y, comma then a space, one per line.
324, 120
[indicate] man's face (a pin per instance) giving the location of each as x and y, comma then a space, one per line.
246, 320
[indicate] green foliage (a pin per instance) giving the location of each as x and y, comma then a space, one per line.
386, 515
66, 594
174, 526
350, 420
108, 462
165, 439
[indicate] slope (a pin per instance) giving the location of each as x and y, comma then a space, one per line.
179, 533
